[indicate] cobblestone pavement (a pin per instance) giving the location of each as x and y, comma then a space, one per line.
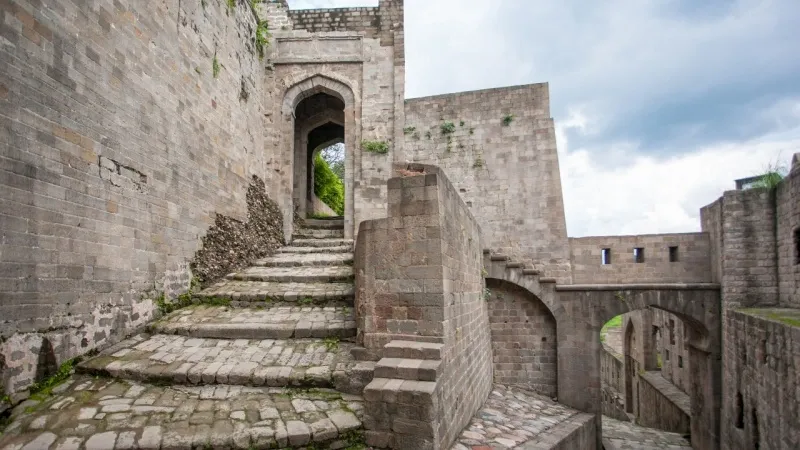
105, 414
311, 274
259, 291
296, 362
277, 322
510, 417
619, 435
306, 259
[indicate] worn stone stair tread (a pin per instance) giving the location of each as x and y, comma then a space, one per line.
259, 291
312, 274
165, 358
404, 391
413, 350
306, 259
277, 322
332, 223
327, 250
312, 233
116, 414
408, 369
321, 243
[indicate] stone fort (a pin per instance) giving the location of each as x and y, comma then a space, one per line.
164, 283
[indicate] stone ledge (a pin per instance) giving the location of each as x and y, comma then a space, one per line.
639, 287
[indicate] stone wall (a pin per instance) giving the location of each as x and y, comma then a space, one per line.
118, 145
366, 20
523, 339
761, 373
507, 174
692, 266
673, 347
788, 237
612, 378
662, 405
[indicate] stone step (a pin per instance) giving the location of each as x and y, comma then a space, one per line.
408, 369
317, 250
163, 358
278, 322
331, 274
333, 223
264, 293
307, 233
413, 350
116, 414
306, 259
322, 243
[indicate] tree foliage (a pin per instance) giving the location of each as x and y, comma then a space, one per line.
327, 185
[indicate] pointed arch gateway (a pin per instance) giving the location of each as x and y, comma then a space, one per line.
321, 109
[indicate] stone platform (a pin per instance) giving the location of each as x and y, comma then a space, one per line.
103, 414
618, 435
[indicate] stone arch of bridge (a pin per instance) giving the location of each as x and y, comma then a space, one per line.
320, 108
592, 306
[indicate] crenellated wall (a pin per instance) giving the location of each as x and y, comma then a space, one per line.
118, 144
501, 156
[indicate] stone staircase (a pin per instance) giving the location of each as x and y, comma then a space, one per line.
266, 361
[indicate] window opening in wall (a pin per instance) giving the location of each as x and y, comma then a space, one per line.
739, 411
756, 433
605, 255
680, 362
638, 255
666, 353
671, 332
797, 245
673, 254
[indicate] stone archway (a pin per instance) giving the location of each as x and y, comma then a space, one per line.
311, 106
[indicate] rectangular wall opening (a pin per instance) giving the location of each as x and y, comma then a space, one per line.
605, 256
797, 245
638, 255
673, 254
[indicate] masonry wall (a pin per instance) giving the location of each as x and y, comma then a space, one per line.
788, 237
118, 145
523, 339
507, 175
612, 377
761, 364
662, 406
673, 348
693, 264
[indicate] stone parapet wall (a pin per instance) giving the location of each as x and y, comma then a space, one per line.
760, 379
787, 199
506, 170
693, 263
662, 405
118, 143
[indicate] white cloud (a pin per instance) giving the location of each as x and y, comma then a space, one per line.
646, 194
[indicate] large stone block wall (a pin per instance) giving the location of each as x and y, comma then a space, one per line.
118, 146
788, 237
693, 263
612, 380
742, 225
673, 346
508, 175
761, 369
523, 339
661, 405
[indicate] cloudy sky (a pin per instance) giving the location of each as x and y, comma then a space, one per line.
659, 104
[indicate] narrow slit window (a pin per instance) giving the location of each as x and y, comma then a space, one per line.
797, 246
673, 254
666, 353
605, 255
739, 411
638, 255
671, 332
680, 362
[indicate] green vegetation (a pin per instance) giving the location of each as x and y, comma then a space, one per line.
507, 119
231, 4
41, 390
462, 123
478, 163
380, 147
262, 37
409, 130
447, 128
327, 186
789, 317
331, 343
428, 134
471, 131
215, 67
615, 322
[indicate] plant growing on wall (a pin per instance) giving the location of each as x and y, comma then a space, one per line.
262, 37
409, 130
462, 123
327, 186
507, 119
428, 134
447, 128
231, 4
773, 175
380, 147
478, 163
215, 67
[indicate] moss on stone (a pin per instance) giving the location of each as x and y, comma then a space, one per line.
785, 316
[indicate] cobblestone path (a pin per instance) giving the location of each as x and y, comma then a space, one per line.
255, 374
618, 435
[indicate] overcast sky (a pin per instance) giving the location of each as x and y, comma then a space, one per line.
659, 104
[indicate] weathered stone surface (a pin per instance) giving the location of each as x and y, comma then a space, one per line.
182, 415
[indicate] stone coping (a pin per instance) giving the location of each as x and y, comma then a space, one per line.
669, 391
639, 287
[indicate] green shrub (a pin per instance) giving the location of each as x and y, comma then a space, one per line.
327, 186
447, 127
380, 147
